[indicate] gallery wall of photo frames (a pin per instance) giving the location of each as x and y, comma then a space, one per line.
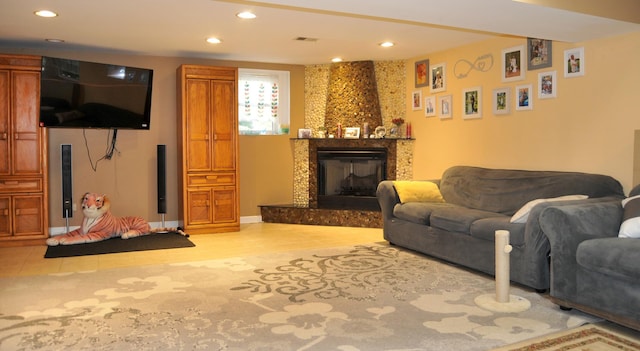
514, 61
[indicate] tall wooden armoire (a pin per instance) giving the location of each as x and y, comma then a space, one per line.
208, 148
24, 203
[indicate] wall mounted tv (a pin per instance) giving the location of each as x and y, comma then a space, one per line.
78, 94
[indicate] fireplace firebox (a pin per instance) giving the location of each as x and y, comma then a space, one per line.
348, 178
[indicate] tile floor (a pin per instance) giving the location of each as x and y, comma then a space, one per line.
252, 239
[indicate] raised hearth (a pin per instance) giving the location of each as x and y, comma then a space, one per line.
305, 209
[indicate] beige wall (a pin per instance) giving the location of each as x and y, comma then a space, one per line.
129, 178
589, 127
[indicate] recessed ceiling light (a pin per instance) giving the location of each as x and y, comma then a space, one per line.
45, 13
214, 40
387, 44
52, 40
246, 15
336, 59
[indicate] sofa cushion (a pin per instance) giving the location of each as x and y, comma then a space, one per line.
617, 257
457, 218
630, 227
417, 212
417, 191
486, 229
522, 215
505, 191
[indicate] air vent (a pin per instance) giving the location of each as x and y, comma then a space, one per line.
305, 39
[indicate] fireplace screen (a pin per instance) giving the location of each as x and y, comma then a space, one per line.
349, 178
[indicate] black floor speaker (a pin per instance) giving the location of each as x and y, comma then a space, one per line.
67, 183
162, 179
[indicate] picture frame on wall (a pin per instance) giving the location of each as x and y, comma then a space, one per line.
422, 73
445, 106
501, 99
524, 97
547, 86
438, 78
574, 62
416, 100
539, 53
512, 61
472, 103
430, 106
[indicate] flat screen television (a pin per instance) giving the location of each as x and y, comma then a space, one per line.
79, 94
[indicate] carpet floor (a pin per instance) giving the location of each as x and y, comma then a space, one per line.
159, 241
369, 297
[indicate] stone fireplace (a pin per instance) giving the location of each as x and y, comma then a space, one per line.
350, 94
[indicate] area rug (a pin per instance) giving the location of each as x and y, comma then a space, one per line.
368, 297
588, 337
158, 241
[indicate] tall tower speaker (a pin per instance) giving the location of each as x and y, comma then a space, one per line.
162, 179
67, 183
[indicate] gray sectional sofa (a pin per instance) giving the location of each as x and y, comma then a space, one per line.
479, 201
592, 269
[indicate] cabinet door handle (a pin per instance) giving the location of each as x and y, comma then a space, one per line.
3, 136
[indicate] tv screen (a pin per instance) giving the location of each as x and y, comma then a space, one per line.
79, 94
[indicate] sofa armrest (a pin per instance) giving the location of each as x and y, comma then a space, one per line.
387, 198
569, 225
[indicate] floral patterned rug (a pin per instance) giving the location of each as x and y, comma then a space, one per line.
371, 297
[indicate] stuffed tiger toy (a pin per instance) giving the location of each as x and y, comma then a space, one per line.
99, 224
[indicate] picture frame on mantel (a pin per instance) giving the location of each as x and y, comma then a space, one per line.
352, 133
304, 133
422, 73
539, 53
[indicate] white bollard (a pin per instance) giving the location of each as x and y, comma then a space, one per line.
503, 249
501, 301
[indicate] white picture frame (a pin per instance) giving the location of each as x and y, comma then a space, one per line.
512, 63
304, 133
438, 77
416, 100
574, 62
524, 97
547, 85
445, 106
430, 106
352, 133
501, 101
472, 103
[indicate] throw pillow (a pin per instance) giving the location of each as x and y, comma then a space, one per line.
523, 213
630, 227
417, 191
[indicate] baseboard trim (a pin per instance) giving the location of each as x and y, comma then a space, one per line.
250, 219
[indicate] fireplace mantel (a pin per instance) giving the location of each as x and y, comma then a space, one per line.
305, 192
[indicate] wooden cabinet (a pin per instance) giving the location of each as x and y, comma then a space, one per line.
24, 200
208, 148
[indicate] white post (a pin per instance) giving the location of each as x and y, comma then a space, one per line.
503, 249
